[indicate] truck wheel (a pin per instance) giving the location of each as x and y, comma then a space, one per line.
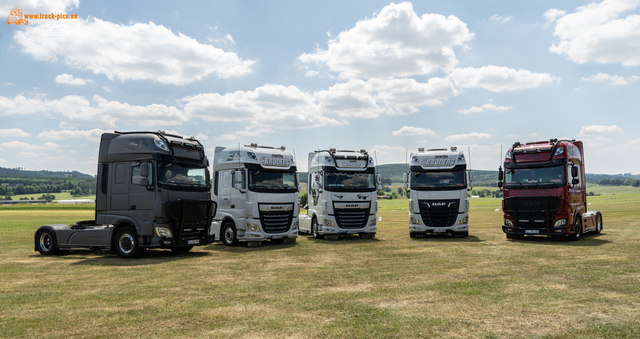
46, 243
577, 232
599, 223
229, 234
314, 229
127, 243
182, 249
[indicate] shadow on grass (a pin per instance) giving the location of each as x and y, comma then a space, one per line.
447, 238
344, 240
242, 246
150, 257
588, 239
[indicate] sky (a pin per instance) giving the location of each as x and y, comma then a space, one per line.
377, 75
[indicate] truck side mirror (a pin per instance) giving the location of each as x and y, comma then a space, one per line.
405, 178
379, 188
472, 177
574, 171
575, 181
500, 174
238, 186
144, 181
315, 186
378, 178
405, 186
499, 184
144, 170
237, 177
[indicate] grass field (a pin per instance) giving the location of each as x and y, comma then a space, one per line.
391, 287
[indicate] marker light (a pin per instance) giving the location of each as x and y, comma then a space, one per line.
508, 222
161, 145
508, 155
559, 150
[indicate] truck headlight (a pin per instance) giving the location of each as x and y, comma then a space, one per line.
294, 226
372, 222
560, 222
253, 227
508, 222
329, 223
164, 232
415, 221
463, 220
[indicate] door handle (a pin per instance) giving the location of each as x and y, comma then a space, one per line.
132, 207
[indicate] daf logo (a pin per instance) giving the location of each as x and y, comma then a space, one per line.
353, 205
438, 204
277, 208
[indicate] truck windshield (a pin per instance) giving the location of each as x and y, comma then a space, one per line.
349, 181
540, 177
182, 177
438, 181
272, 181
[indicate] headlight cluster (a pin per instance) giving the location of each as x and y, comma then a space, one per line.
253, 227
372, 222
164, 232
560, 222
463, 220
508, 222
329, 223
294, 226
415, 221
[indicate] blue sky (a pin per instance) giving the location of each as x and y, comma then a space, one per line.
387, 77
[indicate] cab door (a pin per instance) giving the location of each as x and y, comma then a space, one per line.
577, 196
225, 190
141, 198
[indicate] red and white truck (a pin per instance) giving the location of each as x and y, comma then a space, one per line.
545, 191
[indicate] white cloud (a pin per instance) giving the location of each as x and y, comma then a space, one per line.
485, 107
248, 132
97, 46
501, 18
104, 113
614, 80
395, 43
467, 137
413, 131
201, 136
499, 79
93, 134
388, 154
552, 15
599, 130
19, 145
68, 79
2, 161
597, 33
13, 133
633, 143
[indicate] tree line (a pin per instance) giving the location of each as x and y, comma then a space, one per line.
30, 185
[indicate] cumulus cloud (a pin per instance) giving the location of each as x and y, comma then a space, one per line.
248, 132
93, 134
397, 42
485, 107
2, 161
501, 18
13, 133
552, 15
96, 45
499, 79
19, 145
598, 32
103, 113
68, 79
614, 80
599, 130
388, 154
413, 131
633, 143
467, 137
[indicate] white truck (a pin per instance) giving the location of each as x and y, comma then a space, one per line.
438, 201
342, 195
256, 190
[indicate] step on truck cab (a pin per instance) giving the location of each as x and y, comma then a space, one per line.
342, 195
545, 191
152, 191
256, 190
438, 201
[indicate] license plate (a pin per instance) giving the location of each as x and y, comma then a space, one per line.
193, 242
276, 237
352, 232
439, 230
531, 231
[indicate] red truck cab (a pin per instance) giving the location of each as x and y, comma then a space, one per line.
545, 191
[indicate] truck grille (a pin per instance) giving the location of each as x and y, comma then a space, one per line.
192, 219
439, 213
276, 221
532, 212
355, 217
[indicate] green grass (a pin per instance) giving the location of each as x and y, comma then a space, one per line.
65, 195
393, 286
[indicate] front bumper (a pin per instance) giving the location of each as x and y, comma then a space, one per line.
333, 229
456, 227
511, 230
247, 234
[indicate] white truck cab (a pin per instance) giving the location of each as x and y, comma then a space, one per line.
342, 195
438, 201
257, 190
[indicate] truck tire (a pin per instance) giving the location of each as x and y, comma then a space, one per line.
229, 234
46, 242
314, 229
577, 232
182, 249
127, 243
599, 224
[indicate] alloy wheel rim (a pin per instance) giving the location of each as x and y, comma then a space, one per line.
125, 243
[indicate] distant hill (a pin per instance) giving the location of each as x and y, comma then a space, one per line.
48, 174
